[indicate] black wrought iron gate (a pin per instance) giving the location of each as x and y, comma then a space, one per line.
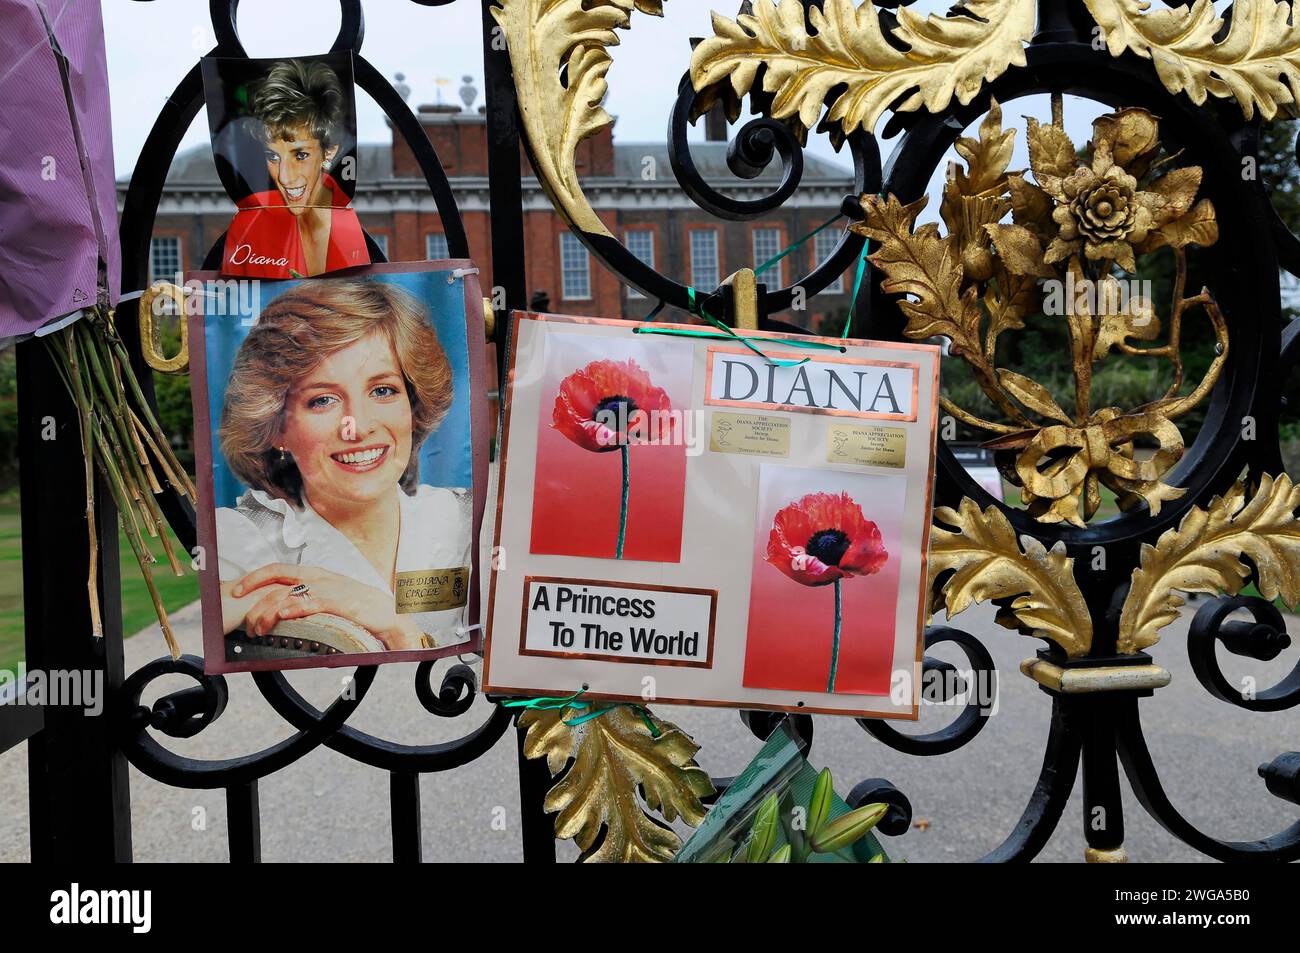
80, 800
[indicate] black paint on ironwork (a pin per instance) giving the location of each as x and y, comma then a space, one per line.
80, 802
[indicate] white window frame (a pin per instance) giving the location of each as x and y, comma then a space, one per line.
700, 279
824, 243
575, 268
774, 278
155, 245
648, 260
436, 254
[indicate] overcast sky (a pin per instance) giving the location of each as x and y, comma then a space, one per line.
151, 45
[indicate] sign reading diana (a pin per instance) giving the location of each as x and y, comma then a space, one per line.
684, 521
823, 385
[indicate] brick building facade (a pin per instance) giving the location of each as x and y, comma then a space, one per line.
631, 186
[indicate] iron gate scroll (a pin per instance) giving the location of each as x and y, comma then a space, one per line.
836, 67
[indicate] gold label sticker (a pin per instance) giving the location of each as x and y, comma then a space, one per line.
867, 446
432, 590
754, 434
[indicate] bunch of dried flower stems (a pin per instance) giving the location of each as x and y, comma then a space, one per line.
120, 435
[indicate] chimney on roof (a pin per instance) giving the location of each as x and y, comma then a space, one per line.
468, 93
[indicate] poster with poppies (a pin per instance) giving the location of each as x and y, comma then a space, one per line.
610, 427
693, 518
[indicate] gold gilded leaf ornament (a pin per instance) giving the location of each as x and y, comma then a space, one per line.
1205, 554
1257, 62
942, 57
988, 563
1008, 299
558, 52
928, 266
614, 756
1020, 250
924, 264
974, 197
1052, 155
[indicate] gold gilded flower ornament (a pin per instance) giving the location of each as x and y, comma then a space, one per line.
1099, 211
1076, 228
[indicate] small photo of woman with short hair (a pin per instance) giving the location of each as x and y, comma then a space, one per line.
330, 537
284, 136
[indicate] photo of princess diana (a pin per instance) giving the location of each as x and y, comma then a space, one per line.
342, 467
283, 134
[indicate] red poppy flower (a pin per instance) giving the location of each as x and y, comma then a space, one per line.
609, 404
824, 538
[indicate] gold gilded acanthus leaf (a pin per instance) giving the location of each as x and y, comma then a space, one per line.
926, 265
1033, 395
988, 563
544, 38
1020, 250
944, 57
986, 156
1257, 62
1197, 227
1009, 300
613, 756
1204, 554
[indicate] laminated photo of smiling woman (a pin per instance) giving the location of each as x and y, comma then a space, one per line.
283, 135
334, 544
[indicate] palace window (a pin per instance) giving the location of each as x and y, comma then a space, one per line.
575, 268
435, 246
704, 260
767, 245
640, 243
823, 244
164, 258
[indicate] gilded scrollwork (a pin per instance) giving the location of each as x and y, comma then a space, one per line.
1207, 553
978, 558
847, 58
559, 51
1255, 61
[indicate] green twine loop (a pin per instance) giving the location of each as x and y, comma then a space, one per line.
551, 702
639, 709
750, 342
857, 286
548, 702
727, 334
797, 243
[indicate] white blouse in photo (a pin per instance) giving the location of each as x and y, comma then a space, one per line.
435, 534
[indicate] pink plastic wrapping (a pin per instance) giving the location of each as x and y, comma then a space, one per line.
58, 206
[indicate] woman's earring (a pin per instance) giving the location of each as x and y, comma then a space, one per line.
283, 456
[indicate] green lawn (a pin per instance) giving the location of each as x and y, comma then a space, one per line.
137, 608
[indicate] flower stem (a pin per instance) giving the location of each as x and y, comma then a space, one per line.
622, 506
835, 644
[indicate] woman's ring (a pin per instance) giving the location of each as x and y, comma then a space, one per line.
301, 591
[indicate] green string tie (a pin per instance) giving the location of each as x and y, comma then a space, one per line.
550, 703
797, 243
725, 333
